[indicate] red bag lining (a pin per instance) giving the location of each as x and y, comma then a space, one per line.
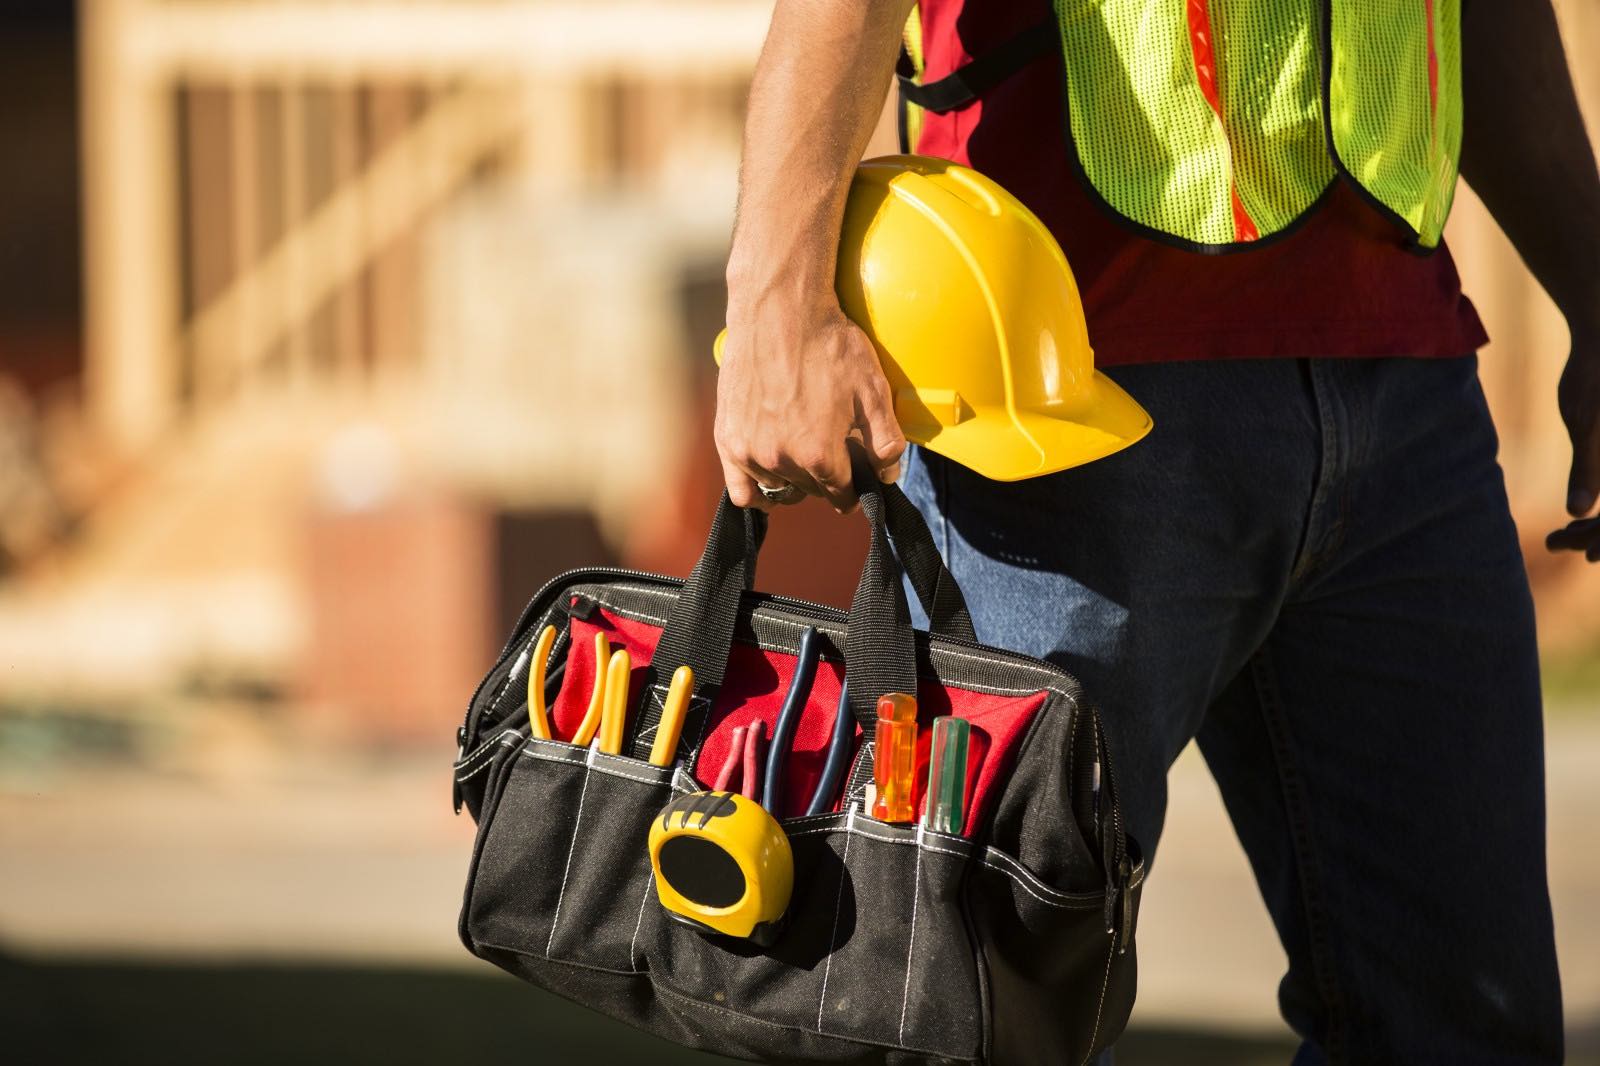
754, 686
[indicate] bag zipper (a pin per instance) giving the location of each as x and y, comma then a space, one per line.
584, 575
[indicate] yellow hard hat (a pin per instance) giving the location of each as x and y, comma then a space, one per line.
977, 322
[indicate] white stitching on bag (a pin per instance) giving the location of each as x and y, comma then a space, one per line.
594, 766
911, 942
464, 778
1023, 873
801, 819
556, 750
509, 738
577, 820
649, 878
833, 937
1111, 951
553, 756
485, 752
1021, 876
639, 614
631, 777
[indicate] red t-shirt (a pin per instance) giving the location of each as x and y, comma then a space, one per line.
1343, 284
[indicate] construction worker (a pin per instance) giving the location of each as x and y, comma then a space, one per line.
1309, 565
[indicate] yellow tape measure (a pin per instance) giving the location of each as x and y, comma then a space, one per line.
723, 865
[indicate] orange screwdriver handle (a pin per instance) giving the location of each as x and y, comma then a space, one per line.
895, 758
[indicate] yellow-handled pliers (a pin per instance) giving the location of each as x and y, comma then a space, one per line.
538, 716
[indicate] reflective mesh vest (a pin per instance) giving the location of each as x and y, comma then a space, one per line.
1216, 123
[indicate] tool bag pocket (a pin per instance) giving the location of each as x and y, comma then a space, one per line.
875, 954
561, 873
1009, 943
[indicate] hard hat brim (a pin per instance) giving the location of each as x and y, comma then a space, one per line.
1033, 443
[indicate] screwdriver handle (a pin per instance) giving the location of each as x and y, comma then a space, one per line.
947, 775
895, 758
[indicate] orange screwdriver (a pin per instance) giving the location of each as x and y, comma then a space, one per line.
895, 758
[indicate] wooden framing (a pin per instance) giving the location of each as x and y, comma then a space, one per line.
500, 61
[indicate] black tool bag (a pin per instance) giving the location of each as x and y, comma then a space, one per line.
1011, 943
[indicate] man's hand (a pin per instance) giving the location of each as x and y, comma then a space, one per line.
793, 387
1579, 398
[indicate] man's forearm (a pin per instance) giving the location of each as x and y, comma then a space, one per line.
816, 95
799, 380
1525, 151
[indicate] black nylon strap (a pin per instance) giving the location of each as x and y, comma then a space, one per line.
879, 646
699, 629
879, 649
962, 87
924, 566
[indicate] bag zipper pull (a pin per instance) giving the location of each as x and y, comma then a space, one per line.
455, 786
1125, 926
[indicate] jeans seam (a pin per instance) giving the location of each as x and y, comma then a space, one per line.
1303, 850
1317, 541
941, 497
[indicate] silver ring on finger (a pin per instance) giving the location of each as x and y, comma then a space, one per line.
781, 494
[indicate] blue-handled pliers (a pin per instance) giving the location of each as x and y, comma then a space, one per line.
844, 731
794, 703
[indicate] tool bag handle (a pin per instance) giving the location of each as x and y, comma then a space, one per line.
880, 650
935, 586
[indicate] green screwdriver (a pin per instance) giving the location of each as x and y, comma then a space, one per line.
947, 775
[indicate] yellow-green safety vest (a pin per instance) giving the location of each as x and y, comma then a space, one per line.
1215, 124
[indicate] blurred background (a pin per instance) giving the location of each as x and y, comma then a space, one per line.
330, 329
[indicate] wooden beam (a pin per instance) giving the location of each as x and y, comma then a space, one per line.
130, 232
377, 38
367, 213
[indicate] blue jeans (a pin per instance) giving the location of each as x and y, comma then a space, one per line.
1310, 568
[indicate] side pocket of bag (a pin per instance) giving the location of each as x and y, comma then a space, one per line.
1061, 989
490, 765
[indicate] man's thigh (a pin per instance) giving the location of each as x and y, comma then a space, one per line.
1152, 574
1381, 756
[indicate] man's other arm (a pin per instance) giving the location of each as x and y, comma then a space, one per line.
1526, 154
